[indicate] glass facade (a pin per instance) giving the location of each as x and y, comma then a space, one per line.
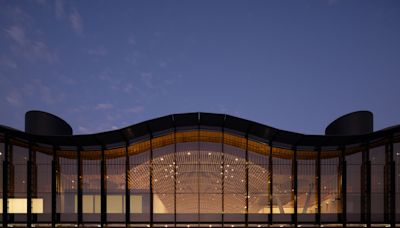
199, 178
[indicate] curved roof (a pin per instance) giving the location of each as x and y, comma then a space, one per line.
198, 120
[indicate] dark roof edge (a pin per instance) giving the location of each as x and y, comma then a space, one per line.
213, 120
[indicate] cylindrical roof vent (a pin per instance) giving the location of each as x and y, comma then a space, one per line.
355, 123
43, 123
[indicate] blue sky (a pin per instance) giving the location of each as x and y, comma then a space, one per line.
293, 65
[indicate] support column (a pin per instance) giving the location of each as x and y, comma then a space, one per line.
5, 182
318, 178
127, 192
247, 181
151, 182
54, 173
270, 186
366, 187
343, 186
80, 216
29, 186
294, 185
103, 188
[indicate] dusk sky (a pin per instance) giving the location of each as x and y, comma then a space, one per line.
293, 65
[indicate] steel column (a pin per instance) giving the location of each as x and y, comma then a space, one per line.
247, 181
270, 186
366, 187
151, 182
80, 216
343, 186
127, 193
103, 189
29, 186
5, 182
318, 178
54, 171
294, 185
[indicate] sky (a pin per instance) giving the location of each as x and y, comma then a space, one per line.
292, 65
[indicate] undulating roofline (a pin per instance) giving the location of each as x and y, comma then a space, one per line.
359, 124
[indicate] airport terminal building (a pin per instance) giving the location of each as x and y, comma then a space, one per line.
199, 170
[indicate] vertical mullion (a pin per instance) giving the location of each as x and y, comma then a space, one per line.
366, 187
5, 182
198, 175
343, 185
392, 186
151, 181
318, 177
223, 176
247, 181
174, 165
79, 167
54, 171
127, 193
270, 186
294, 184
103, 188
29, 186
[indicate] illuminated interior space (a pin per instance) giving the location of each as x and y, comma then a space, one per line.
199, 170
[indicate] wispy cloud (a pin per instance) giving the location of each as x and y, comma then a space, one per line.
14, 97
103, 106
17, 34
7, 62
59, 8
76, 21
98, 52
147, 79
24, 46
37, 89
136, 109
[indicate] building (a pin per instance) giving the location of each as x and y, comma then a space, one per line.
199, 170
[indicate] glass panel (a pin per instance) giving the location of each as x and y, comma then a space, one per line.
115, 182
331, 203
282, 185
258, 179
42, 180
18, 183
67, 185
377, 158
139, 181
307, 201
91, 185
187, 181
353, 191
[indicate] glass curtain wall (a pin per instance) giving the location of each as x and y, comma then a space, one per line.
282, 185
67, 185
41, 183
307, 198
115, 184
331, 182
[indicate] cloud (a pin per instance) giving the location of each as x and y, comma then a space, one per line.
98, 52
103, 106
37, 89
76, 21
27, 48
7, 62
59, 9
84, 130
147, 79
17, 34
137, 109
14, 98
